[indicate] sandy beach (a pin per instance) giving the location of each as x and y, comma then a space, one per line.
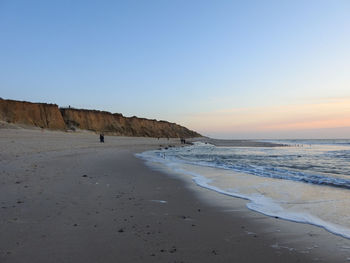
65, 197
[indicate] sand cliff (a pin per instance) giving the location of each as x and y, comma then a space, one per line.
52, 117
36, 114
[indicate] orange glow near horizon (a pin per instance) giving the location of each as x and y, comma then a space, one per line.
331, 113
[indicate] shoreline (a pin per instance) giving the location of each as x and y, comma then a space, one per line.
235, 143
301, 237
202, 176
124, 211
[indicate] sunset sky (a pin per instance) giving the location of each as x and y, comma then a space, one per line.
228, 69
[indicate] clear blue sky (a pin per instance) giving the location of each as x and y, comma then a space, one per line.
176, 60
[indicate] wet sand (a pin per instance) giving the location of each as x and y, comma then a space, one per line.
65, 197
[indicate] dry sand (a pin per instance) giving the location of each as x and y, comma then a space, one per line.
65, 197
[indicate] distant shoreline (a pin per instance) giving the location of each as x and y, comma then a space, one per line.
235, 143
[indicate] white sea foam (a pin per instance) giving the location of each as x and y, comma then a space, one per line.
326, 207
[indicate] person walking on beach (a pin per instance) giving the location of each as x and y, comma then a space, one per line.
102, 137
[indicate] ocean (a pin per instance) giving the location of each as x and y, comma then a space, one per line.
306, 181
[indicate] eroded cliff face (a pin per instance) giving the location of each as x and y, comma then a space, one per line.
89, 120
50, 116
101, 121
36, 114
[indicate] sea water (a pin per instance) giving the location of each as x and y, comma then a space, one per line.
306, 181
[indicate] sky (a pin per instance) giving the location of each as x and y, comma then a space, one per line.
227, 69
